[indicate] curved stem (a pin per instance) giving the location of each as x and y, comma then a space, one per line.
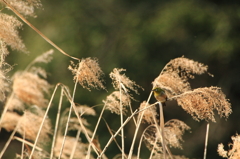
39, 32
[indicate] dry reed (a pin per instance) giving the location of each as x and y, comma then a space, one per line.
88, 73
234, 151
202, 102
30, 88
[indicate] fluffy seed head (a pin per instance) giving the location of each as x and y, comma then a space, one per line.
25, 7
121, 81
202, 102
113, 102
173, 78
80, 151
148, 114
8, 32
88, 73
30, 88
27, 125
234, 152
174, 130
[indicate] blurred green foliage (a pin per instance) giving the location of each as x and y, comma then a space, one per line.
142, 36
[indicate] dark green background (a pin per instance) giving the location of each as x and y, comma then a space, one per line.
142, 36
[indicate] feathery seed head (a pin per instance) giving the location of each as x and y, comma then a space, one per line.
9, 34
113, 102
30, 88
25, 7
234, 152
88, 73
201, 102
81, 148
121, 81
27, 125
148, 114
175, 74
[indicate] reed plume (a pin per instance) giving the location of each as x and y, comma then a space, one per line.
202, 102
149, 112
9, 33
80, 152
30, 88
112, 102
121, 81
88, 73
174, 130
234, 151
174, 76
28, 125
25, 7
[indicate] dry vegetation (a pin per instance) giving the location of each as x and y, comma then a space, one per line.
28, 101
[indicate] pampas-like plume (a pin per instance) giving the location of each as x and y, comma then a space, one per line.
160, 156
30, 88
9, 34
121, 81
201, 103
74, 122
28, 125
234, 152
148, 114
174, 129
112, 102
175, 74
81, 148
88, 73
25, 7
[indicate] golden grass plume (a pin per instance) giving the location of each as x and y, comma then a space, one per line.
234, 152
149, 113
202, 102
174, 76
121, 81
27, 125
30, 88
25, 7
112, 102
80, 151
88, 73
9, 34
174, 130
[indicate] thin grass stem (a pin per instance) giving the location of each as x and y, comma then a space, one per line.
68, 119
121, 118
39, 32
6, 108
162, 129
44, 117
119, 147
75, 143
206, 141
57, 122
137, 129
116, 133
141, 140
10, 139
95, 130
